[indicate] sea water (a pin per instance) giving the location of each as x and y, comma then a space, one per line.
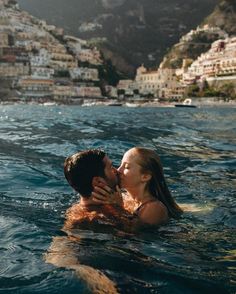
196, 254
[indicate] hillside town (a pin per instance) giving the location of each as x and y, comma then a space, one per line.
216, 67
41, 63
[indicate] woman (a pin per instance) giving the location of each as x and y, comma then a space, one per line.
141, 175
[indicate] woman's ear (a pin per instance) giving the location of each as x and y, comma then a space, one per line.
146, 177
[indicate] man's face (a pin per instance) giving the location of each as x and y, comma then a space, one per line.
111, 175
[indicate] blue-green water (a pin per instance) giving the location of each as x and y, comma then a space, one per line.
198, 149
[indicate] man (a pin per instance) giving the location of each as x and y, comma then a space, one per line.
83, 171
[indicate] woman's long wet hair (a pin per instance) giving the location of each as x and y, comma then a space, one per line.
151, 163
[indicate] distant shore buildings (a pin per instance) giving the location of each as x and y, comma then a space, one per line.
42, 62
218, 64
217, 67
45, 64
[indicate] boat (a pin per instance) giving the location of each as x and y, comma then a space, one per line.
114, 104
130, 104
49, 103
85, 104
187, 103
182, 105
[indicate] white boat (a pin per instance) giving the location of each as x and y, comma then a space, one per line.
114, 104
187, 103
92, 103
49, 103
128, 104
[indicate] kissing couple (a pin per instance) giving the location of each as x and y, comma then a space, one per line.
132, 197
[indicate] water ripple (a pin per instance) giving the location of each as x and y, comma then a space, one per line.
197, 148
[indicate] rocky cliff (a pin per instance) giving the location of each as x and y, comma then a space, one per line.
132, 31
223, 17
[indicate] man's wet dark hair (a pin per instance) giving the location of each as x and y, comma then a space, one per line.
81, 167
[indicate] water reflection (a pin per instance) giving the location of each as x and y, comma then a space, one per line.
197, 148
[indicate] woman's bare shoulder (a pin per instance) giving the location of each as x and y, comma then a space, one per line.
154, 213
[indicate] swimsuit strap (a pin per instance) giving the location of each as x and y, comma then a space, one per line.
143, 204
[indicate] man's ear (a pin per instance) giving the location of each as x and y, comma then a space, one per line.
98, 180
146, 177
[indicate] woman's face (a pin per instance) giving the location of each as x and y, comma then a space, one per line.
130, 171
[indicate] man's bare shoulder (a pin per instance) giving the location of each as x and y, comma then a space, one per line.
91, 216
78, 214
73, 208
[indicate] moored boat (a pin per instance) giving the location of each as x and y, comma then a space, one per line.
183, 105
114, 104
187, 103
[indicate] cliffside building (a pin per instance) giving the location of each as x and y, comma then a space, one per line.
160, 83
92, 56
36, 88
84, 74
219, 61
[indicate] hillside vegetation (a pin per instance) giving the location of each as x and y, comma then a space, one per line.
223, 16
133, 31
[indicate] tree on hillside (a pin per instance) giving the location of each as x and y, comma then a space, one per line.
228, 91
193, 90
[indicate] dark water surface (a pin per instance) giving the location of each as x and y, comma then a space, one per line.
198, 149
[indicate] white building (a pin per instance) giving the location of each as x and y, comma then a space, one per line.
62, 61
61, 92
27, 45
75, 45
84, 73
127, 86
91, 56
42, 72
42, 59
36, 88
89, 92
204, 29
219, 60
89, 26
3, 39
147, 82
161, 83
13, 69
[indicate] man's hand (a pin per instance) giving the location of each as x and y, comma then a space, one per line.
103, 194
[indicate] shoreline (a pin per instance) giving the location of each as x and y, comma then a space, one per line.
113, 103
62, 85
